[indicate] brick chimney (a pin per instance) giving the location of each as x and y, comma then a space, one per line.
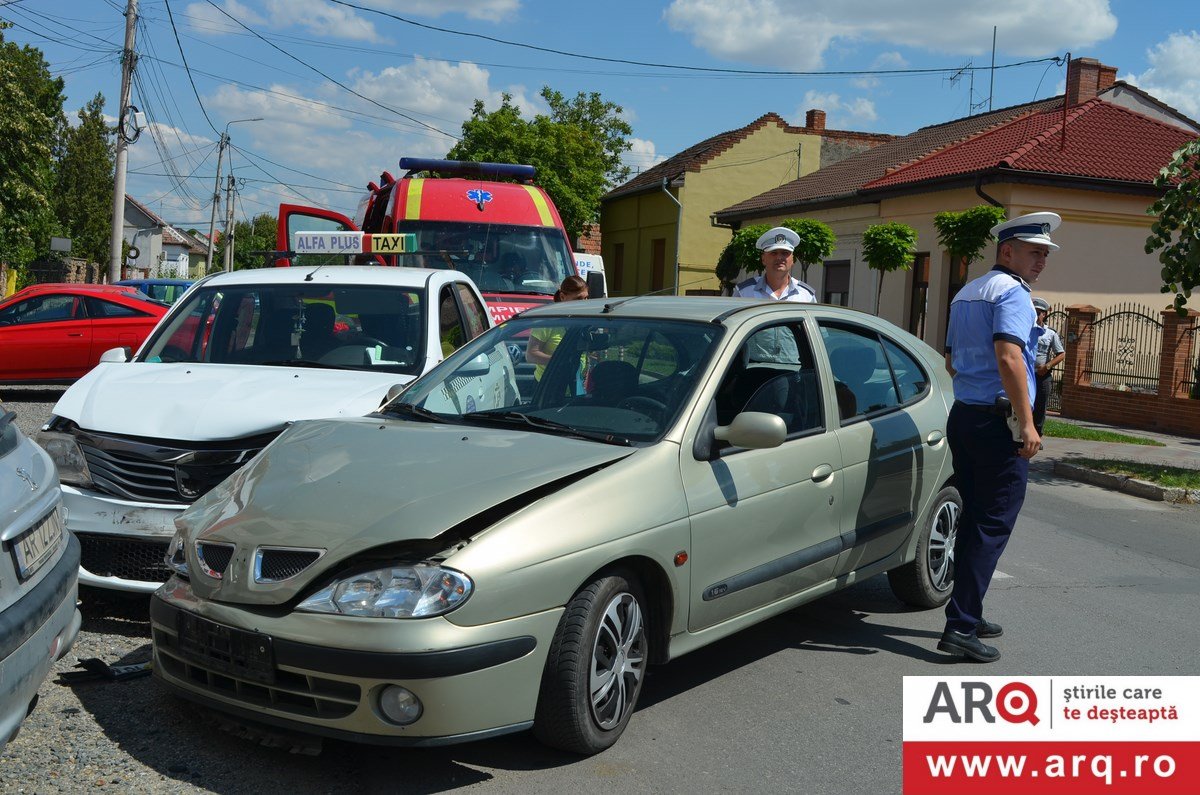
1087, 78
814, 120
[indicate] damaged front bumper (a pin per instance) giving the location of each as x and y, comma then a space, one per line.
124, 543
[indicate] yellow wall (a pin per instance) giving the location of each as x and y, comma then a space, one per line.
1102, 260
765, 159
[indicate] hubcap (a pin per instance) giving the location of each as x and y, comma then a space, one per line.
941, 545
618, 661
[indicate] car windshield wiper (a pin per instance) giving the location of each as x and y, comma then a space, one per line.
543, 424
413, 410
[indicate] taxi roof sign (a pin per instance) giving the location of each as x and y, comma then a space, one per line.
392, 244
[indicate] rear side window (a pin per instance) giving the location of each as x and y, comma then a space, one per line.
98, 307
911, 378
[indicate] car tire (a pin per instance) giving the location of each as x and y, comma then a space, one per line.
927, 581
595, 668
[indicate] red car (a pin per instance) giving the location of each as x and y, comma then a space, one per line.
55, 333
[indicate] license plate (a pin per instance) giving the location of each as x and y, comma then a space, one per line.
37, 545
227, 650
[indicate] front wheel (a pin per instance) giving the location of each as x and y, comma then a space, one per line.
928, 580
595, 669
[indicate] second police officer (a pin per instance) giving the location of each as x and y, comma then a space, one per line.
990, 348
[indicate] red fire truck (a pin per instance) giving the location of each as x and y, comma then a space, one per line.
488, 220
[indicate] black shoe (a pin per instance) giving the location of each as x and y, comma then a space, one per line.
986, 629
967, 646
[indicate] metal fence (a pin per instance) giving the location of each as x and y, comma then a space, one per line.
1192, 380
1126, 342
1057, 320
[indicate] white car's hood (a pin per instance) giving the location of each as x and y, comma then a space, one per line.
209, 402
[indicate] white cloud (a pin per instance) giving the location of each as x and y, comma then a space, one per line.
1172, 76
798, 36
203, 18
848, 114
322, 19
642, 155
492, 10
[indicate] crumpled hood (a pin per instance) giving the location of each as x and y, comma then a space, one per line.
209, 402
345, 486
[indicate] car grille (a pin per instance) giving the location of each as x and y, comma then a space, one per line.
275, 564
214, 556
158, 471
127, 558
298, 694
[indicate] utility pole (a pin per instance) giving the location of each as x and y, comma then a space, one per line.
128, 61
992, 72
216, 200
229, 236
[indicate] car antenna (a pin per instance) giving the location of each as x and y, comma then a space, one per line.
610, 307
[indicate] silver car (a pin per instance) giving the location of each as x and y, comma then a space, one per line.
38, 575
480, 558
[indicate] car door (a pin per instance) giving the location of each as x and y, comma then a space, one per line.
45, 336
764, 522
116, 325
885, 463
295, 218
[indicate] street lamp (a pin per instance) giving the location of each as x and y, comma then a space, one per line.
212, 222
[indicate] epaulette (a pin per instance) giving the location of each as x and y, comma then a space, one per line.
748, 283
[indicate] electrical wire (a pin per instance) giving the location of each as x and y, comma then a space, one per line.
187, 69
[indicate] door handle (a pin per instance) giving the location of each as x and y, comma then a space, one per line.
823, 472
74, 333
934, 438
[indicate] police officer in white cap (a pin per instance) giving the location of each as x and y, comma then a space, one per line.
990, 348
776, 282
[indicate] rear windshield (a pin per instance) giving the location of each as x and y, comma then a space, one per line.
355, 327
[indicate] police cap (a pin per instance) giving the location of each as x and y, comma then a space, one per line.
779, 237
1032, 228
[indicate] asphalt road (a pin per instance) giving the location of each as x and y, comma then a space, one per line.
1093, 583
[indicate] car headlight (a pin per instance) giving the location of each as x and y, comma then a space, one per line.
416, 591
175, 558
67, 456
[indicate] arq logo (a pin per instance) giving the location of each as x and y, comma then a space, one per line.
1015, 702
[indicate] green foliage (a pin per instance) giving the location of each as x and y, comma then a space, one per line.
965, 234
740, 254
817, 242
1174, 234
30, 115
886, 248
257, 235
576, 149
83, 184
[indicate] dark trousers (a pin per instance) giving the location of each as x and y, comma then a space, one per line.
991, 479
1044, 385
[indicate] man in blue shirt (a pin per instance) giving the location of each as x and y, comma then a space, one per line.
776, 283
990, 349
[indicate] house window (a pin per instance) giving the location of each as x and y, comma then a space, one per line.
958, 277
918, 297
618, 271
658, 263
837, 282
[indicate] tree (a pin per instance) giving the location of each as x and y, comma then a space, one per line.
886, 248
32, 104
817, 242
256, 235
740, 254
965, 234
576, 149
1174, 234
83, 190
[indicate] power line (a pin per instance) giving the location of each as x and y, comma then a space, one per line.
252, 159
333, 80
188, 70
536, 48
255, 155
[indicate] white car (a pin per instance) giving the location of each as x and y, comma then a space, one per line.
239, 356
38, 571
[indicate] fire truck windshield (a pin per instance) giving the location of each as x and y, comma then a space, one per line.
499, 258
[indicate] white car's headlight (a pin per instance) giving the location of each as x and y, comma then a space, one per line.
68, 458
416, 591
175, 559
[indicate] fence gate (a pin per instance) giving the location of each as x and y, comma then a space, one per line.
1057, 320
1125, 349
1192, 380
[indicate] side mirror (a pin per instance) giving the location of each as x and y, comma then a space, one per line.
116, 355
478, 366
753, 430
595, 283
393, 392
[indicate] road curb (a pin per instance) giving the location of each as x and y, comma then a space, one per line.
1125, 484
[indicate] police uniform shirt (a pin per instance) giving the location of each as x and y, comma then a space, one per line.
796, 291
996, 306
776, 345
1049, 345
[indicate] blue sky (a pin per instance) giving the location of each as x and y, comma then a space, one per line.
320, 143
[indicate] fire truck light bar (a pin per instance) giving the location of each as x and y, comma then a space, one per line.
462, 168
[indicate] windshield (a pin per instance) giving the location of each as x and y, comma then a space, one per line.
613, 379
499, 258
357, 327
